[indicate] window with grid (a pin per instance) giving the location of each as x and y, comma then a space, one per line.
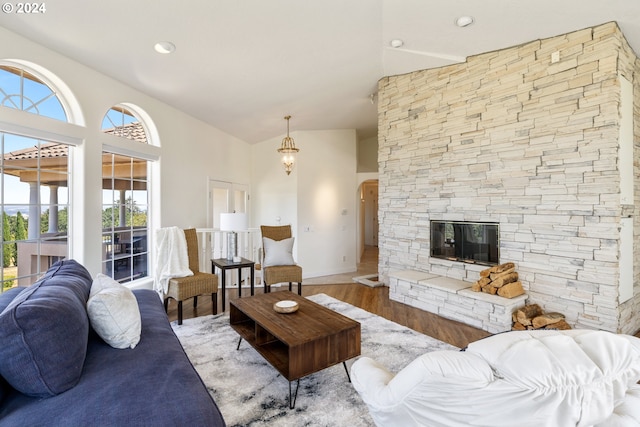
34, 179
125, 201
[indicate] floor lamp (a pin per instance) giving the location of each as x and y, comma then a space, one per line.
232, 223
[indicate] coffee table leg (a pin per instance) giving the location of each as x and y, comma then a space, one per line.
292, 401
293, 397
239, 282
238, 348
345, 369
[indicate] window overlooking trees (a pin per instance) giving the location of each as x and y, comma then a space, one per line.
34, 177
35, 205
125, 201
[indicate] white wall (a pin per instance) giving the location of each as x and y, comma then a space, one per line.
190, 152
313, 198
368, 155
273, 192
322, 186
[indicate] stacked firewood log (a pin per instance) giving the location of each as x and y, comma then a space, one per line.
532, 316
501, 280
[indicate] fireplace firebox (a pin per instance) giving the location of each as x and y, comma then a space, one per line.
472, 242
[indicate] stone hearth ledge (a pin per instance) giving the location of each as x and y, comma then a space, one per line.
453, 299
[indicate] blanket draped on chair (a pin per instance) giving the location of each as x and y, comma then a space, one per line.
172, 259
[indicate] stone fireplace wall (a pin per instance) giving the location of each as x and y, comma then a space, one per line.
515, 137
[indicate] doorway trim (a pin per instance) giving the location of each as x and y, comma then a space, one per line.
363, 178
231, 188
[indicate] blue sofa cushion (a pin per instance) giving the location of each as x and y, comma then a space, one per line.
5, 299
44, 332
153, 384
7, 296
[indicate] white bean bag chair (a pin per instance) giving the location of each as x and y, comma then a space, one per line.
523, 378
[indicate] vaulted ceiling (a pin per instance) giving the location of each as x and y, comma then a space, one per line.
242, 65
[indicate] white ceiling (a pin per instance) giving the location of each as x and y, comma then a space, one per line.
242, 65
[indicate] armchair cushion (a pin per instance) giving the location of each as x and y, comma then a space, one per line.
114, 313
182, 288
278, 252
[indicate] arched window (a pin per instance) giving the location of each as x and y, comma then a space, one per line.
121, 122
125, 199
34, 177
22, 90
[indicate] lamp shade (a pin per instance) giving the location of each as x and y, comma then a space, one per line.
233, 221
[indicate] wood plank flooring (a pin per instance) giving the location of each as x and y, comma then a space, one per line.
374, 300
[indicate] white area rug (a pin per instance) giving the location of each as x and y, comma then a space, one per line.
250, 392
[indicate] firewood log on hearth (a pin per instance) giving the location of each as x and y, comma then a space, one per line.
546, 319
501, 268
504, 278
511, 290
500, 279
532, 316
525, 314
477, 286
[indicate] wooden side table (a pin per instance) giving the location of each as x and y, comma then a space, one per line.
224, 264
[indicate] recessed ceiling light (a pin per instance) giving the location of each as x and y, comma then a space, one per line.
464, 21
396, 43
164, 47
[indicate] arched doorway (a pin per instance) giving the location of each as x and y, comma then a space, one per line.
368, 232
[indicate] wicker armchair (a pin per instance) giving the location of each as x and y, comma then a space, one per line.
279, 273
182, 288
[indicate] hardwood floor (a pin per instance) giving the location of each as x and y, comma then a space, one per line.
374, 300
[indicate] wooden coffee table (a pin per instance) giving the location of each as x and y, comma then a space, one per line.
296, 344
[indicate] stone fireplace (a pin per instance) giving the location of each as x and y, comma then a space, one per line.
543, 147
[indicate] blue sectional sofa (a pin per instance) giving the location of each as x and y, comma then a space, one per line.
57, 371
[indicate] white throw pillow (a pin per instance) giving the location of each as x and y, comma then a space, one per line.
114, 313
277, 252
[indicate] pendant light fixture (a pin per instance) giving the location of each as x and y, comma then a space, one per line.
288, 150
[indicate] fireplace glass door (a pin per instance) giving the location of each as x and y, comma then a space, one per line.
473, 242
